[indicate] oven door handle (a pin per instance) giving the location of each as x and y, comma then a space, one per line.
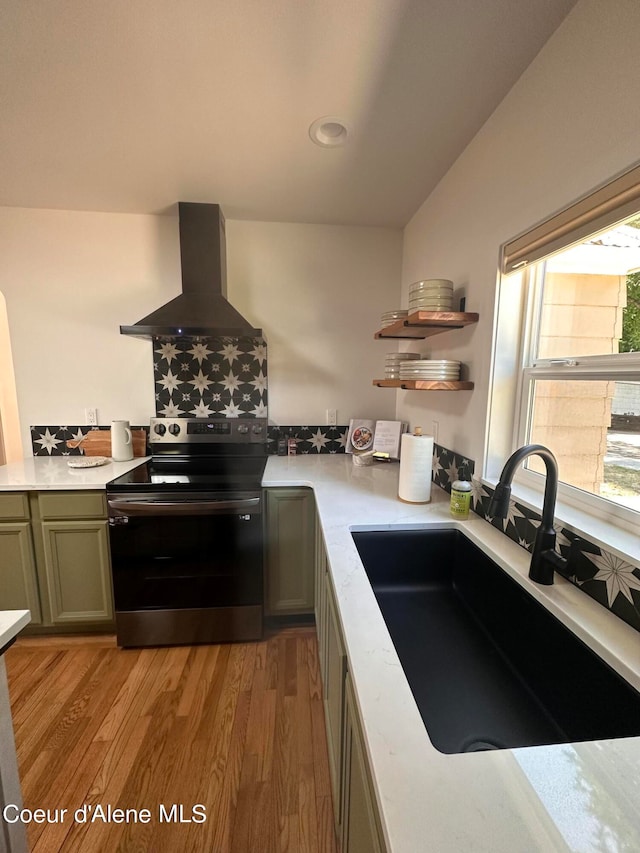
124, 506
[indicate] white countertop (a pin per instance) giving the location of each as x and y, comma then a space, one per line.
549, 798
41, 473
11, 623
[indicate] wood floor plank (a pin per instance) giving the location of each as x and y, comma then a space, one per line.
73, 735
69, 672
307, 814
106, 789
195, 688
36, 717
23, 687
210, 705
290, 667
326, 826
220, 832
132, 691
237, 728
245, 805
313, 668
63, 724
272, 665
219, 748
262, 726
251, 652
17, 664
47, 837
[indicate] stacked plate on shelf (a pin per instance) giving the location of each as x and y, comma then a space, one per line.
393, 360
391, 317
435, 370
433, 294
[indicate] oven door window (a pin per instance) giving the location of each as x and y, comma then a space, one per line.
183, 561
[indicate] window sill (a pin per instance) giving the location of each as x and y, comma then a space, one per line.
617, 540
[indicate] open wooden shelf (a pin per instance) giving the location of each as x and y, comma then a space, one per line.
424, 384
423, 324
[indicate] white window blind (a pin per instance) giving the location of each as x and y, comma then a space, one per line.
605, 207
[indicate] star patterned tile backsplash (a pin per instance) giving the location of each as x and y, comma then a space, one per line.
52, 440
309, 439
210, 377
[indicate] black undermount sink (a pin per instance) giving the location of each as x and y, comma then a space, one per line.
489, 667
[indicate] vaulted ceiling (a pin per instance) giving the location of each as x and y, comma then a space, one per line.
132, 105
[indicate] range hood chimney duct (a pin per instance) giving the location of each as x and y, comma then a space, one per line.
202, 309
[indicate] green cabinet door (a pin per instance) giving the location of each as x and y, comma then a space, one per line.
290, 551
333, 693
320, 598
78, 572
361, 830
18, 583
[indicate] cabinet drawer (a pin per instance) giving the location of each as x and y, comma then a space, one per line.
14, 506
73, 504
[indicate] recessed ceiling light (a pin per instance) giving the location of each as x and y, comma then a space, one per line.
328, 132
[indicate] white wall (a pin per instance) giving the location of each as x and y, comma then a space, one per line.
10, 441
318, 292
71, 278
569, 124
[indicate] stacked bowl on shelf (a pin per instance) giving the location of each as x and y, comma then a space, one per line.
391, 317
434, 370
393, 360
433, 294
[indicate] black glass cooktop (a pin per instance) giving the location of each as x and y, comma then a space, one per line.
224, 473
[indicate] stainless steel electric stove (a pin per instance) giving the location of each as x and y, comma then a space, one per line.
186, 534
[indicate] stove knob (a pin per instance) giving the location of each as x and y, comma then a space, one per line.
256, 429
160, 429
243, 429
174, 429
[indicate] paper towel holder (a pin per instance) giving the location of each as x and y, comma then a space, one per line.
414, 483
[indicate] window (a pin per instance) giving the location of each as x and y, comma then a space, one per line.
577, 388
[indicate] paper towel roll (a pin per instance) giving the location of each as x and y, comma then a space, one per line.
416, 462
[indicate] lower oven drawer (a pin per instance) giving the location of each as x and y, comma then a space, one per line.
196, 625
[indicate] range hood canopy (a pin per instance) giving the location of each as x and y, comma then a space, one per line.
202, 309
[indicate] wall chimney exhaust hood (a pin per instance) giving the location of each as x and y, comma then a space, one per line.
202, 309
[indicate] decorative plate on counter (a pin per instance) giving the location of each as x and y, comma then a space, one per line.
87, 461
362, 438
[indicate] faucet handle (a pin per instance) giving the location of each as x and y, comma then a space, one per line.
561, 564
581, 568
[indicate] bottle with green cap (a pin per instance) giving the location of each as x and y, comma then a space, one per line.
460, 497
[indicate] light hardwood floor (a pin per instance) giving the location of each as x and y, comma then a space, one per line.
237, 728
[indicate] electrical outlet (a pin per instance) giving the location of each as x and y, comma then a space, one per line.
332, 417
91, 417
434, 430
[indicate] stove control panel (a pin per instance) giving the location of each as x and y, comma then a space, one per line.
207, 430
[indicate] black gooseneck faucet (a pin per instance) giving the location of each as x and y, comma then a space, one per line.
544, 559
